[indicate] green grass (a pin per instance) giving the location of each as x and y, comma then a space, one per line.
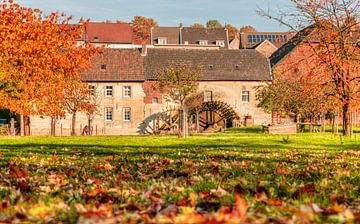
167, 179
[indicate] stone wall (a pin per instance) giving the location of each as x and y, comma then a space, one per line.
142, 107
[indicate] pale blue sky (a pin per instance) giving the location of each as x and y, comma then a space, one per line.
167, 12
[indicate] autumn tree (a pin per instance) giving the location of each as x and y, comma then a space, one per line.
141, 27
77, 98
232, 31
331, 44
39, 58
197, 25
213, 23
247, 29
179, 82
94, 99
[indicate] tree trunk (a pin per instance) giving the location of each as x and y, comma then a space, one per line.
89, 127
73, 123
53, 126
346, 120
26, 125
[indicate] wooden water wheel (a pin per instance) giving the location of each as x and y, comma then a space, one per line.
213, 114
166, 122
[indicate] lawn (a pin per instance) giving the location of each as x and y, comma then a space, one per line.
242, 176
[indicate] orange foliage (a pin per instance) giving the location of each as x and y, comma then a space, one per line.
141, 27
39, 58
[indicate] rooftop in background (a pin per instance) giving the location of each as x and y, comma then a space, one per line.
220, 65
115, 65
188, 36
251, 40
205, 36
161, 35
109, 33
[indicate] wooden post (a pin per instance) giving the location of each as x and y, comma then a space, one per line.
21, 125
12, 127
197, 122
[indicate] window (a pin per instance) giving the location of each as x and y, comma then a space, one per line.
127, 113
96, 38
162, 40
203, 42
208, 96
220, 43
91, 89
109, 114
103, 67
109, 91
186, 42
237, 67
246, 96
154, 100
211, 67
127, 91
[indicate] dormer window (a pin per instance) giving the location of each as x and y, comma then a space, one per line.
211, 67
96, 38
103, 67
220, 43
203, 42
237, 67
162, 40
186, 42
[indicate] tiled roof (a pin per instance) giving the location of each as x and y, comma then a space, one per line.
172, 34
120, 65
194, 35
287, 48
109, 33
217, 65
307, 35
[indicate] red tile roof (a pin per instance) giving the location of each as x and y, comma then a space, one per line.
109, 33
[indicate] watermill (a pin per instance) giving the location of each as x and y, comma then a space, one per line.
166, 122
212, 115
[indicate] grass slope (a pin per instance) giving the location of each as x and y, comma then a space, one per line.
242, 175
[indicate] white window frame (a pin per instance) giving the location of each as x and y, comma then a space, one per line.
220, 43
245, 93
162, 41
208, 96
127, 91
109, 111
203, 42
127, 114
108, 91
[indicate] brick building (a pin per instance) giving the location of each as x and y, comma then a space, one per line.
123, 79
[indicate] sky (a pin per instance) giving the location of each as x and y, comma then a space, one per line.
168, 12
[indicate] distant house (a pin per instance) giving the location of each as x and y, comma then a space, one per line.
124, 80
107, 34
264, 42
188, 37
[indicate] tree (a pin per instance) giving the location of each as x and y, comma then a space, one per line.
232, 31
197, 25
247, 29
213, 23
77, 98
331, 44
94, 99
39, 57
179, 82
141, 27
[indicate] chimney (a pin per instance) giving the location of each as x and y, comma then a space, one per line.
181, 25
143, 49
